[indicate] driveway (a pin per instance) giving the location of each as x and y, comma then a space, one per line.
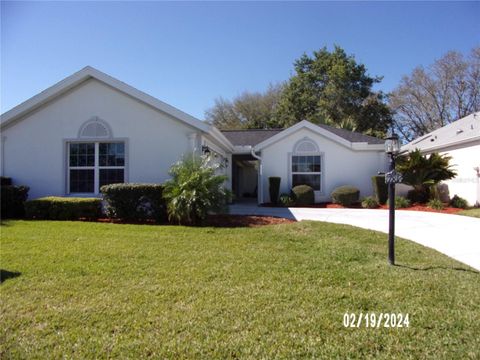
453, 235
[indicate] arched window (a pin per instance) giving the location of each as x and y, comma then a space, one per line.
95, 128
306, 164
305, 146
95, 158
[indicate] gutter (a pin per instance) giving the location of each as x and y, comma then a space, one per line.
443, 147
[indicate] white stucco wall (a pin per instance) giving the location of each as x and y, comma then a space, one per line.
341, 165
34, 149
465, 160
467, 182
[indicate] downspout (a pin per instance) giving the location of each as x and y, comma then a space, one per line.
260, 172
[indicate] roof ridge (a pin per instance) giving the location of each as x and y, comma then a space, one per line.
231, 130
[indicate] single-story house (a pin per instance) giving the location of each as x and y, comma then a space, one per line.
461, 141
91, 129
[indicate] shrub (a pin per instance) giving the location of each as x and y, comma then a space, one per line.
346, 195
424, 172
418, 195
135, 202
195, 190
400, 202
274, 188
380, 189
12, 200
287, 200
435, 204
458, 202
369, 203
63, 208
5, 181
303, 195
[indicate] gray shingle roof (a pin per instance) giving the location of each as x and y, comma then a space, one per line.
352, 136
253, 137
250, 137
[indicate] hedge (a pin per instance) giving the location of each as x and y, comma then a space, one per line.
346, 195
12, 200
274, 188
63, 208
380, 189
303, 195
135, 202
5, 180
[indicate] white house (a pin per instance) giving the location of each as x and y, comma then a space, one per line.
461, 141
91, 129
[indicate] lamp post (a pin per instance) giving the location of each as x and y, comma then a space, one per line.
392, 148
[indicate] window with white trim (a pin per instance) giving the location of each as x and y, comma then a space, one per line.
306, 165
94, 164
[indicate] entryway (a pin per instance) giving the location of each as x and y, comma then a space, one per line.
245, 178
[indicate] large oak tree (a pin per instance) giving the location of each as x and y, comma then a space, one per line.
333, 88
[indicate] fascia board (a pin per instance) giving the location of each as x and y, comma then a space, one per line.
85, 74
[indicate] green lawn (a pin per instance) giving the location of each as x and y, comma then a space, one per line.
471, 212
92, 290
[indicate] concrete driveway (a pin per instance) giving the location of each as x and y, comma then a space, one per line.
453, 235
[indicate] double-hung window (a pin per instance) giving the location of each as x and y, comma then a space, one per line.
306, 165
306, 170
94, 164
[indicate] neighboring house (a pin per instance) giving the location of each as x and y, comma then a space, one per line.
91, 129
461, 141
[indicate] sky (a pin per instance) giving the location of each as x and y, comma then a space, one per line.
190, 53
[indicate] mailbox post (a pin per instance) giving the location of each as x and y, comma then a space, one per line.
392, 148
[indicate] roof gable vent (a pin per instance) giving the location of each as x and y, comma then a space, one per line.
95, 128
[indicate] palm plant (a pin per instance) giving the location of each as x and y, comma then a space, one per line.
195, 189
424, 172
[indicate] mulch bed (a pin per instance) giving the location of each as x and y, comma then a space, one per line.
423, 207
224, 220
244, 221
414, 207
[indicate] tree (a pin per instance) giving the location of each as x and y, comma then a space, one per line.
247, 111
194, 190
424, 172
332, 88
432, 97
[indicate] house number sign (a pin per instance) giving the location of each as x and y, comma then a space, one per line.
393, 177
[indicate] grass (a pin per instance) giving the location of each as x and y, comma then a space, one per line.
475, 212
92, 290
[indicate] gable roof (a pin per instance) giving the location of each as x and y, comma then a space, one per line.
252, 137
349, 139
353, 136
461, 131
85, 74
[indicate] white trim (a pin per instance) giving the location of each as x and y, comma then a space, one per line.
96, 168
442, 147
95, 119
88, 72
320, 192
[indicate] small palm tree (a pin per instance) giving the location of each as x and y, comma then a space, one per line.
424, 172
195, 189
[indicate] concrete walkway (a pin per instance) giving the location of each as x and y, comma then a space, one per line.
453, 235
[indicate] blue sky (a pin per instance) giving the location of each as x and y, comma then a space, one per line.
187, 54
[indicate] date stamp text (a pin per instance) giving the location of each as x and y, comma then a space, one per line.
376, 320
